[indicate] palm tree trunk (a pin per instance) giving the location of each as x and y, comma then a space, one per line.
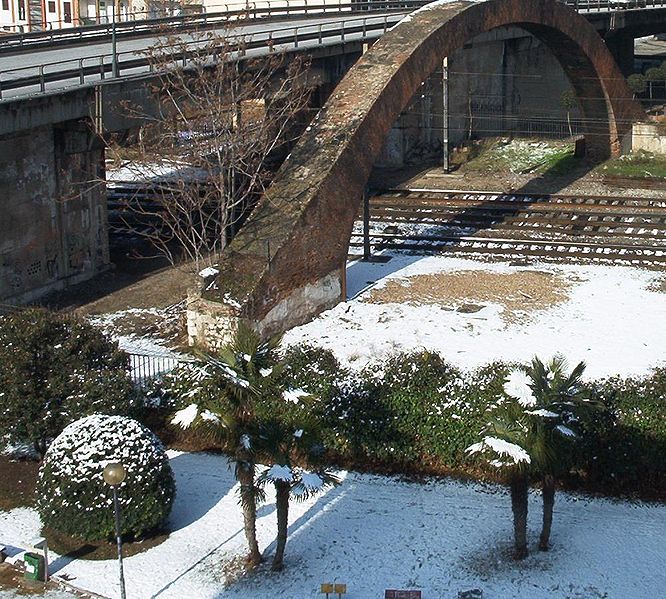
519, 508
245, 475
282, 504
548, 492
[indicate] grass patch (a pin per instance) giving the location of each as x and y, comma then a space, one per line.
520, 156
640, 165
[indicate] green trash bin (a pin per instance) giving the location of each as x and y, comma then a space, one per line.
34, 566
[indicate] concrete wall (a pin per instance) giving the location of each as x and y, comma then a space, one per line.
649, 137
501, 83
52, 211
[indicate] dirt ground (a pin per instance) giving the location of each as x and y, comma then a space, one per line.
17, 482
469, 290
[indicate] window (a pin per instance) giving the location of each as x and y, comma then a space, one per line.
67, 12
21, 10
5, 4
52, 6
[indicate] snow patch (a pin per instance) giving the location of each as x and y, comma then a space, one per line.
280, 473
209, 271
294, 395
518, 387
185, 417
515, 453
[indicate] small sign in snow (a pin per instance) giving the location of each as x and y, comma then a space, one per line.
394, 594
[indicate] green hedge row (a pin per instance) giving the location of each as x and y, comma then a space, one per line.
417, 413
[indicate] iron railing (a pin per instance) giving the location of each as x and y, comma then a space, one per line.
149, 365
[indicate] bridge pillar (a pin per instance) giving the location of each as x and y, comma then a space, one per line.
621, 46
53, 226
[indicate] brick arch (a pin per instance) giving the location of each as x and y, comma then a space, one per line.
287, 264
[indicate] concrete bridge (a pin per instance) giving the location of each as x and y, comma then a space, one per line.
288, 263
58, 95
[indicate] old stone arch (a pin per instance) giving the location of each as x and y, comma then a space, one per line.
288, 262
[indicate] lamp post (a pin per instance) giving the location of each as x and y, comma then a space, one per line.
114, 474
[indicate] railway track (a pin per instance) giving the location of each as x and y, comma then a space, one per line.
549, 227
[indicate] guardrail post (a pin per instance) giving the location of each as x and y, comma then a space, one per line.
81, 75
102, 70
295, 37
365, 28
342, 31
385, 23
114, 45
42, 83
319, 33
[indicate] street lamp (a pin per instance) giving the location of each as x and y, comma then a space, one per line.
114, 473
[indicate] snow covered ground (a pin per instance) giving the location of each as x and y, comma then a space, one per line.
613, 317
374, 533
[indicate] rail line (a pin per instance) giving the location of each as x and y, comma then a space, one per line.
547, 226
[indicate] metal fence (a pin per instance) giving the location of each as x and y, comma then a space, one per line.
149, 365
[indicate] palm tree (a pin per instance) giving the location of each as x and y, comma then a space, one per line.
525, 435
290, 435
505, 444
559, 393
239, 373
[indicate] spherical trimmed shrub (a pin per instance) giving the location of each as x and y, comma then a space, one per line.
72, 496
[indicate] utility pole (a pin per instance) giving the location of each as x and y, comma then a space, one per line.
445, 115
366, 224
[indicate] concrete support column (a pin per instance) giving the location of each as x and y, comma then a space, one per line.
53, 232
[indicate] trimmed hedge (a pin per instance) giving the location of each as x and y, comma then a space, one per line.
55, 369
417, 413
72, 496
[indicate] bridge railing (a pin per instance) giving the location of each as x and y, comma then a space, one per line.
260, 10
138, 23
56, 75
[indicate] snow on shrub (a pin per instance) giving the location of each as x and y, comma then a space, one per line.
72, 496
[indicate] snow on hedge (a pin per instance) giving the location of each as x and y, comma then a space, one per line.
72, 495
294, 395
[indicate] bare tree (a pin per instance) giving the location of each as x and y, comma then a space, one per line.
208, 152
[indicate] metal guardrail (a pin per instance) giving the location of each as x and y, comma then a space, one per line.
96, 68
129, 25
227, 14
93, 69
